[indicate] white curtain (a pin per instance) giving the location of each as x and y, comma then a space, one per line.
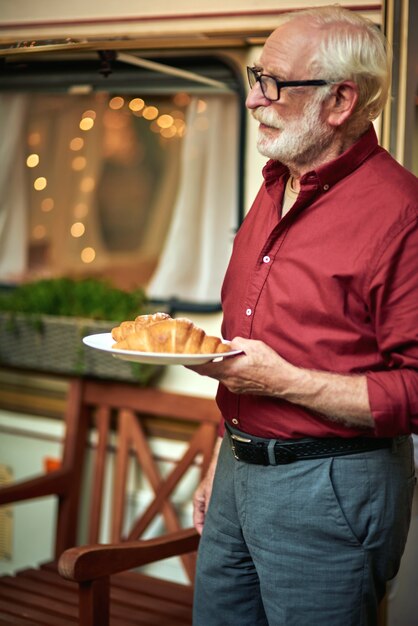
13, 201
199, 241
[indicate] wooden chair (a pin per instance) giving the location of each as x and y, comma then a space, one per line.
110, 588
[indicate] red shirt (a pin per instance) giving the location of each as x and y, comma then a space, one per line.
331, 286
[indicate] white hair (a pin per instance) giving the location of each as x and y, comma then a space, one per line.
353, 48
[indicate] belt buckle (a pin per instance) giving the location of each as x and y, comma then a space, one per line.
238, 438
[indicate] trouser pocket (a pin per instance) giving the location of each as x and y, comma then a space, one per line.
373, 501
351, 492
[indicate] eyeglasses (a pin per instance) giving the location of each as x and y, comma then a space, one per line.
271, 87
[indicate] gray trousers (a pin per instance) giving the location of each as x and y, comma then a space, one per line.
309, 543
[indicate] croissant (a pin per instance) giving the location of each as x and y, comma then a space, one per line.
173, 336
126, 328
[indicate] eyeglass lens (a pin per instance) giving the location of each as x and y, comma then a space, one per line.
269, 88
268, 84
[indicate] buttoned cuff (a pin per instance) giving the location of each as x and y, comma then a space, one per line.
389, 405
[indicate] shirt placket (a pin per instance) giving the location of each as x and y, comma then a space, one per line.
259, 276
268, 256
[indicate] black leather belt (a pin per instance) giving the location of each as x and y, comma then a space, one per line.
280, 452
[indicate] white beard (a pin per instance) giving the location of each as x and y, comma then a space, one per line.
299, 140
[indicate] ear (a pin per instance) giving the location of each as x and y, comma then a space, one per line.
342, 103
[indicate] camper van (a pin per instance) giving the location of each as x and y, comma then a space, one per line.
128, 157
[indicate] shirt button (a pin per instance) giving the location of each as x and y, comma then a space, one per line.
325, 187
266, 259
234, 420
248, 312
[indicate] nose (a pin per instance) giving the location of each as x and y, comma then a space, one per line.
255, 98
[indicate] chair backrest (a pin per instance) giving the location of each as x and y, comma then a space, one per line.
121, 416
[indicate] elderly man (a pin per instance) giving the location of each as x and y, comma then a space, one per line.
310, 505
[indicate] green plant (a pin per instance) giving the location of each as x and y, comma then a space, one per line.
90, 298
89, 301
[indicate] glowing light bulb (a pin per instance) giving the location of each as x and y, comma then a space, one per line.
89, 113
40, 183
47, 205
150, 113
39, 232
76, 144
116, 103
77, 229
79, 163
34, 139
86, 123
88, 255
87, 184
32, 160
165, 121
137, 104
169, 132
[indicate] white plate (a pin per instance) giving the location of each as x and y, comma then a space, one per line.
105, 341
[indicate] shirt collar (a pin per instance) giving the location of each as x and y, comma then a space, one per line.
330, 173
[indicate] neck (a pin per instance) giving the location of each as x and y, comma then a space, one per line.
340, 144
294, 183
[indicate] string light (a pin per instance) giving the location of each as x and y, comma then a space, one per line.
47, 205
40, 183
79, 163
39, 232
116, 103
136, 104
87, 184
76, 144
90, 113
165, 121
168, 125
86, 123
180, 125
34, 139
181, 99
32, 160
169, 132
77, 229
150, 113
88, 255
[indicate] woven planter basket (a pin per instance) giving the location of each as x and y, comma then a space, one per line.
54, 344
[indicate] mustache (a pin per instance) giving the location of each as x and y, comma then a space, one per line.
267, 117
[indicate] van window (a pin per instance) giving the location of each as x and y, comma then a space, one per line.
133, 176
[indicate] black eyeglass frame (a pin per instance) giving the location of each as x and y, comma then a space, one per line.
256, 77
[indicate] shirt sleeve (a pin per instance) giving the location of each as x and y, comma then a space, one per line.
393, 293
221, 428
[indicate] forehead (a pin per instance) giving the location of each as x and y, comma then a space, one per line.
288, 50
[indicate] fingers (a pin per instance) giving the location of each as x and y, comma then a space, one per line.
201, 501
199, 518
199, 510
204, 491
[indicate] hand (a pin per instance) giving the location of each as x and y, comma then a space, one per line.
260, 370
200, 502
204, 491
